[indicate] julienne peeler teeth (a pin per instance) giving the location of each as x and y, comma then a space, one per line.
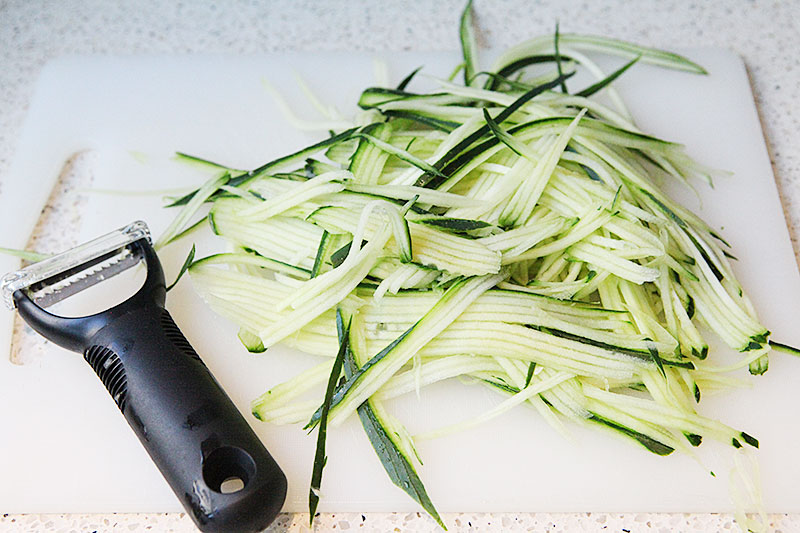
218, 468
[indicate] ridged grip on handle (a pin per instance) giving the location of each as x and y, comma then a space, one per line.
189, 426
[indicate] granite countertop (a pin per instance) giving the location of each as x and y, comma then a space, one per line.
764, 33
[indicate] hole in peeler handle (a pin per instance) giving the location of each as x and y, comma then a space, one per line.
228, 469
231, 485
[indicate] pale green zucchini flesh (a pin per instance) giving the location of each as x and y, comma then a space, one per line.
502, 231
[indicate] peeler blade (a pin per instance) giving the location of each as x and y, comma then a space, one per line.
53, 279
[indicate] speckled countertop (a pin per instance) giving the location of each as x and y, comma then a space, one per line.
765, 33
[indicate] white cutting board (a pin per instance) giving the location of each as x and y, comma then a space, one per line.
65, 447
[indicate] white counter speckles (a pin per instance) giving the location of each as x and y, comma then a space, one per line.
765, 33
399, 522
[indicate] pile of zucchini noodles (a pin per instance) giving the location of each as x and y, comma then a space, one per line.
506, 229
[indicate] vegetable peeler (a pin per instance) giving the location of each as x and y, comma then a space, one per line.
211, 458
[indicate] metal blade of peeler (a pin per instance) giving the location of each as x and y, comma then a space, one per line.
62, 275
53, 290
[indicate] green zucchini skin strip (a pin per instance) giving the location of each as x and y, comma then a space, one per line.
652, 445
402, 154
791, 350
428, 180
435, 123
602, 84
649, 355
452, 224
184, 268
319, 455
324, 242
397, 465
556, 38
251, 257
242, 179
345, 387
195, 160
468, 45
607, 46
503, 136
519, 64
404, 83
300, 154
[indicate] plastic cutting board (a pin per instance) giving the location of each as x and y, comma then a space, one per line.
67, 449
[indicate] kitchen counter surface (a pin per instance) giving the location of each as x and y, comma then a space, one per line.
765, 34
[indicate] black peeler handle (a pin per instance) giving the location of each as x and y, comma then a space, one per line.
191, 429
